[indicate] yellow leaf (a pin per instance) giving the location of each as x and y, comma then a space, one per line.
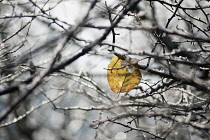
123, 74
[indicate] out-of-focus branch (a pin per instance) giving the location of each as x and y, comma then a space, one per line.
37, 80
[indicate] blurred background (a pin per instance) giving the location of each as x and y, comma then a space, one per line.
65, 99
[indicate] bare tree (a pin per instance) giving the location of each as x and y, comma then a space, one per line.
53, 65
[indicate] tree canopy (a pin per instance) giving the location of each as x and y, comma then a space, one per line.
55, 57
